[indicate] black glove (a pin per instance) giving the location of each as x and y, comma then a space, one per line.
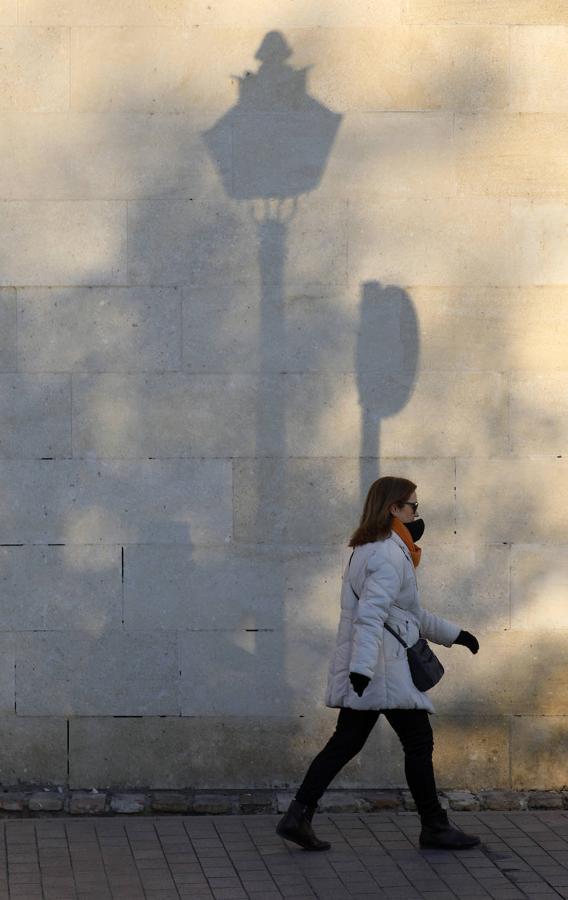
359, 682
468, 640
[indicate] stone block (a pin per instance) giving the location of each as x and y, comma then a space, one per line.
341, 802
102, 156
255, 802
453, 241
84, 803
397, 67
467, 584
234, 586
126, 804
12, 801
382, 800
370, 328
539, 745
184, 415
212, 805
502, 12
408, 801
539, 586
34, 416
271, 415
467, 328
169, 802
8, 326
318, 501
470, 751
539, 236
502, 800
46, 588
462, 801
127, 69
9, 13
98, 329
272, 14
538, 410
81, 14
45, 801
121, 673
217, 243
58, 242
545, 800
142, 74
375, 154
511, 155
284, 673
539, 66
33, 750
114, 501
359, 413
7, 667
21, 87
369, 68
538, 673
459, 329
480, 520
515, 672
175, 753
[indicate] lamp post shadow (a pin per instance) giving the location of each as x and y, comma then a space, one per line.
280, 140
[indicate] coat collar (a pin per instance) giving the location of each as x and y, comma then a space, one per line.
398, 540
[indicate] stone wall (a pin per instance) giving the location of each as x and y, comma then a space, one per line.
199, 383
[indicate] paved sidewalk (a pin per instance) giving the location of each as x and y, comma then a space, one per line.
524, 854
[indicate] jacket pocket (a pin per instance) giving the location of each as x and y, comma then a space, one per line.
393, 647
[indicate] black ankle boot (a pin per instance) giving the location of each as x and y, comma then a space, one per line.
296, 826
438, 833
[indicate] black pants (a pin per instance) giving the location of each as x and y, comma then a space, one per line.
352, 730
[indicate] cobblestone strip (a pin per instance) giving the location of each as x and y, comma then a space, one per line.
61, 802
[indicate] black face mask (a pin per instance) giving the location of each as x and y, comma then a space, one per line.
416, 529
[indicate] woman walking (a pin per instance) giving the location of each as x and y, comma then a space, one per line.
369, 671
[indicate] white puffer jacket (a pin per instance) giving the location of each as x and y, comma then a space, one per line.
382, 574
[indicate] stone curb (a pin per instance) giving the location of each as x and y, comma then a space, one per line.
53, 801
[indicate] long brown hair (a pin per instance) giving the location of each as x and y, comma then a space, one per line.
376, 518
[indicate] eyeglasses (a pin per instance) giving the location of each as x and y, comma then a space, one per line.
408, 503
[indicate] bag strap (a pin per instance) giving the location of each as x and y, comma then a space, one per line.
397, 636
388, 628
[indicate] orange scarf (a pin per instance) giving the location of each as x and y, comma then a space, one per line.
404, 533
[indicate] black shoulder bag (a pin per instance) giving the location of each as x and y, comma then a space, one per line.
425, 667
